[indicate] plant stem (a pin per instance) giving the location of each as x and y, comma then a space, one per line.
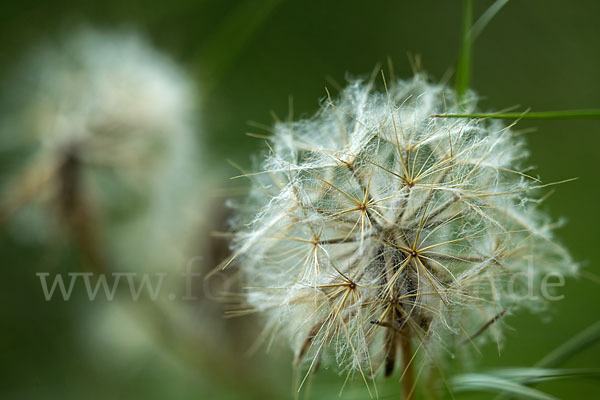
408, 377
463, 69
569, 114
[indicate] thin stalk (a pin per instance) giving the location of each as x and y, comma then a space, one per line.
569, 114
463, 69
408, 376
486, 17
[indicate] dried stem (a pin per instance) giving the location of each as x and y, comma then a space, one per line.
408, 377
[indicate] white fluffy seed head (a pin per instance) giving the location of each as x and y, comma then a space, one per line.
373, 221
110, 94
124, 113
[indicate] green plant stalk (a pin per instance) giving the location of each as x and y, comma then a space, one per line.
569, 114
463, 69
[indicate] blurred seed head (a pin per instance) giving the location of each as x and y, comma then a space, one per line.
372, 222
111, 94
103, 116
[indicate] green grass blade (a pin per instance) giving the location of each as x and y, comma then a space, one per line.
527, 375
495, 384
570, 114
463, 69
486, 17
579, 342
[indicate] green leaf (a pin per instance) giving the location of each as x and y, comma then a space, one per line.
579, 342
495, 384
569, 114
526, 375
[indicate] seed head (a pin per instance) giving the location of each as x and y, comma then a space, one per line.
372, 224
102, 122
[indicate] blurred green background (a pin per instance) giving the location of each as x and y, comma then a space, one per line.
247, 58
